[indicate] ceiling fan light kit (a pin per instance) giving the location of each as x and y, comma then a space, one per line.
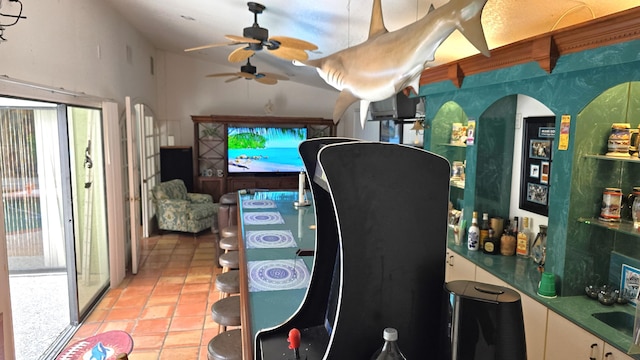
250, 72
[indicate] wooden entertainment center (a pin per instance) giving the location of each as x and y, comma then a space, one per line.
210, 152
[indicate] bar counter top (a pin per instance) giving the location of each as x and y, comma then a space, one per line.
261, 211
522, 274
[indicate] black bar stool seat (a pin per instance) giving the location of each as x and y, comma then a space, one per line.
226, 312
229, 260
229, 243
228, 282
228, 231
225, 346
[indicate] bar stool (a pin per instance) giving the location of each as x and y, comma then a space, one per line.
226, 312
228, 283
228, 231
225, 346
229, 243
229, 260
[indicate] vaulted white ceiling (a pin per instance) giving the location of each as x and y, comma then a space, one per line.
174, 25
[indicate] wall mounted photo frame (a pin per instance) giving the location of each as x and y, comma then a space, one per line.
537, 145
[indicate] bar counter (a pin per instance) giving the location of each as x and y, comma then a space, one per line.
272, 282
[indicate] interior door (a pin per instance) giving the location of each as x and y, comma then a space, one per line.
149, 161
134, 184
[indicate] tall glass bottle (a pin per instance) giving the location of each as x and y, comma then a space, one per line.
484, 229
473, 237
508, 240
522, 245
390, 349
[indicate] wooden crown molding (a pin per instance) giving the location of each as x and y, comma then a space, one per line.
544, 49
279, 120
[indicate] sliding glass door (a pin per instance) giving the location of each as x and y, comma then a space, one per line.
55, 218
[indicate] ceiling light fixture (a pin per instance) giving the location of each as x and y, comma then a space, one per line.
15, 18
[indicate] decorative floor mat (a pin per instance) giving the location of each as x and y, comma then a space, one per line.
262, 218
271, 275
106, 346
258, 204
270, 239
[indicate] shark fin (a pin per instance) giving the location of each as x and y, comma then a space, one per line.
472, 30
364, 109
345, 99
377, 22
311, 63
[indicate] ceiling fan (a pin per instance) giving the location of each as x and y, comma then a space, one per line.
256, 38
249, 72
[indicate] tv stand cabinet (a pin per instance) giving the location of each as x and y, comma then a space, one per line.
210, 152
278, 182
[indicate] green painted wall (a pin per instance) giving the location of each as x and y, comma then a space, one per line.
576, 252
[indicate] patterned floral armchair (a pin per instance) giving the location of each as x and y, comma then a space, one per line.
178, 210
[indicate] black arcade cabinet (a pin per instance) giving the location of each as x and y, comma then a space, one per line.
381, 215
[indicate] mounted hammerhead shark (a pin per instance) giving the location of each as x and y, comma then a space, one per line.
392, 61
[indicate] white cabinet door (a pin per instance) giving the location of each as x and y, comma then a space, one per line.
533, 313
459, 268
612, 353
565, 340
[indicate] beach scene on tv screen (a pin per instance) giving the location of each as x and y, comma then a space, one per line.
264, 149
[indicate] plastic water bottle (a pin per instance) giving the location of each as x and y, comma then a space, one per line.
389, 350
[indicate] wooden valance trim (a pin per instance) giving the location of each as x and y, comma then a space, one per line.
281, 120
544, 49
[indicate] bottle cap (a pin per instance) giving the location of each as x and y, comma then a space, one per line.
390, 334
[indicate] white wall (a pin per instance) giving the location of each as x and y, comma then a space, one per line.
184, 90
527, 106
80, 46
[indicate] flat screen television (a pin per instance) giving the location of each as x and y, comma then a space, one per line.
255, 150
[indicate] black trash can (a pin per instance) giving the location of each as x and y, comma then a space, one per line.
485, 322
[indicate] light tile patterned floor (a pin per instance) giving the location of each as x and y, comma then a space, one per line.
166, 306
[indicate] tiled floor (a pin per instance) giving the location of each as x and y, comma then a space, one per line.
166, 306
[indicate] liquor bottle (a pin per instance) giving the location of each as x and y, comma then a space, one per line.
491, 244
508, 241
514, 227
522, 247
473, 236
484, 229
390, 349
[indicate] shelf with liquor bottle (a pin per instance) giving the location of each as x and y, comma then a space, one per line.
448, 135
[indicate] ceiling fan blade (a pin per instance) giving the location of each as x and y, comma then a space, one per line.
233, 79
275, 76
289, 53
242, 39
240, 54
246, 75
294, 43
222, 74
209, 46
266, 80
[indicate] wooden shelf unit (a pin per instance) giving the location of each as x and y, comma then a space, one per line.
210, 151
